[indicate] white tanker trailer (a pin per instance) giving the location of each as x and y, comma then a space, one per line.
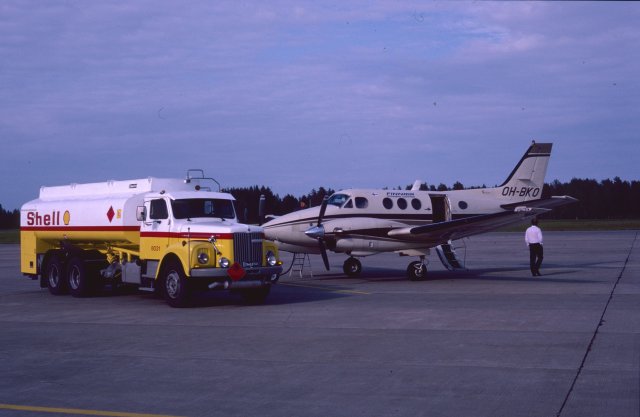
173, 236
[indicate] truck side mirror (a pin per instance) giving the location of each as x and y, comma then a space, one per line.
141, 213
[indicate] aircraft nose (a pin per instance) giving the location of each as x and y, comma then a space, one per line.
270, 232
316, 232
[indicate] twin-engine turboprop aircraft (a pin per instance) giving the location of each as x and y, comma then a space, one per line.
363, 222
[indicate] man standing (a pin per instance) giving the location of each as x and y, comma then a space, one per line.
533, 237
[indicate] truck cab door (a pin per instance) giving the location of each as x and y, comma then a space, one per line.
155, 230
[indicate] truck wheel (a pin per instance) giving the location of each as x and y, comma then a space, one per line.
256, 296
175, 286
78, 277
54, 274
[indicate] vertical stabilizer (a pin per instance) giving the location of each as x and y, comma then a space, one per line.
527, 179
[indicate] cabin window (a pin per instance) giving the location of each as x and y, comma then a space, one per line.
362, 202
462, 204
402, 203
416, 204
158, 210
338, 199
387, 203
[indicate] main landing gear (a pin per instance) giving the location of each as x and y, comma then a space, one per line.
417, 270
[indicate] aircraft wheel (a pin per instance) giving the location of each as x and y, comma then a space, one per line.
78, 278
417, 271
175, 286
54, 273
352, 267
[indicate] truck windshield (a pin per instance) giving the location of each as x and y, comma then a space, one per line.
202, 207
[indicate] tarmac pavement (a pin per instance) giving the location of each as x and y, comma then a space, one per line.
489, 341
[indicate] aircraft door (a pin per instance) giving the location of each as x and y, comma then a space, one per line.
441, 208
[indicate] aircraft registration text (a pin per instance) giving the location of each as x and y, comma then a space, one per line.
521, 192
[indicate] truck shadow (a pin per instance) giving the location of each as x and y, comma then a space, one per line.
280, 295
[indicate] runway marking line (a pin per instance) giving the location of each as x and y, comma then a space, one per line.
77, 411
324, 288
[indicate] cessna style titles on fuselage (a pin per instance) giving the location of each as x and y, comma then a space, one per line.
363, 222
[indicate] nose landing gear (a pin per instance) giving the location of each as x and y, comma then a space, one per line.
352, 267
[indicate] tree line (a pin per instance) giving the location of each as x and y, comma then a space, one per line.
606, 199
9, 219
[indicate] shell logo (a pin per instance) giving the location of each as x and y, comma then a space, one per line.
66, 218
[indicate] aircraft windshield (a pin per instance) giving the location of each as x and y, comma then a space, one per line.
202, 207
338, 199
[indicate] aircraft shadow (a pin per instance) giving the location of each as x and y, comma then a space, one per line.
373, 274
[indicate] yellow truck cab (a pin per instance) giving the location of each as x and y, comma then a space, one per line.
173, 236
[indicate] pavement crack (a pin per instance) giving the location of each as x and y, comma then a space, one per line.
597, 329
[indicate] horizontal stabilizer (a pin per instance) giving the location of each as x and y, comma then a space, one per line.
547, 203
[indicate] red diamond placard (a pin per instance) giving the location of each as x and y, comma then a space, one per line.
236, 272
110, 214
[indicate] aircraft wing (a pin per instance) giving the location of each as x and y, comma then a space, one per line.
438, 233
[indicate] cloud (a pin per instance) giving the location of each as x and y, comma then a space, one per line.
305, 94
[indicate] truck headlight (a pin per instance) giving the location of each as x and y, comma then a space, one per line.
203, 258
271, 259
224, 263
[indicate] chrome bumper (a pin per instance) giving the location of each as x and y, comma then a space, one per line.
218, 278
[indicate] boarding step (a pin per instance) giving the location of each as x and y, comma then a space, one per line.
299, 263
448, 257
147, 284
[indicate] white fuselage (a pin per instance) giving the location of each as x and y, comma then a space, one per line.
367, 215
361, 222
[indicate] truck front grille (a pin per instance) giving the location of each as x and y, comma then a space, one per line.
247, 249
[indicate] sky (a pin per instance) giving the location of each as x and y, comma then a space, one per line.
296, 95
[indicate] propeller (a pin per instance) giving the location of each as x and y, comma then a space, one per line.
317, 232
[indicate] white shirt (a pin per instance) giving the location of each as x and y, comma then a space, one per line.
533, 235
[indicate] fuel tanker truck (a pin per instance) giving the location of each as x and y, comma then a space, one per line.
171, 236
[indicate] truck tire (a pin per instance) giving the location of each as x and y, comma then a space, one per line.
79, 278
255, 296
54, 274
175, 286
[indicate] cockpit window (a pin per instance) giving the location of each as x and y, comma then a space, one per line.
202, 207
338, 199
349, 204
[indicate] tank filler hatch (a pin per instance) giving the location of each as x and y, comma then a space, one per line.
197, 176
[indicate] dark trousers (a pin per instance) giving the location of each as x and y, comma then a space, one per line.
535, 257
